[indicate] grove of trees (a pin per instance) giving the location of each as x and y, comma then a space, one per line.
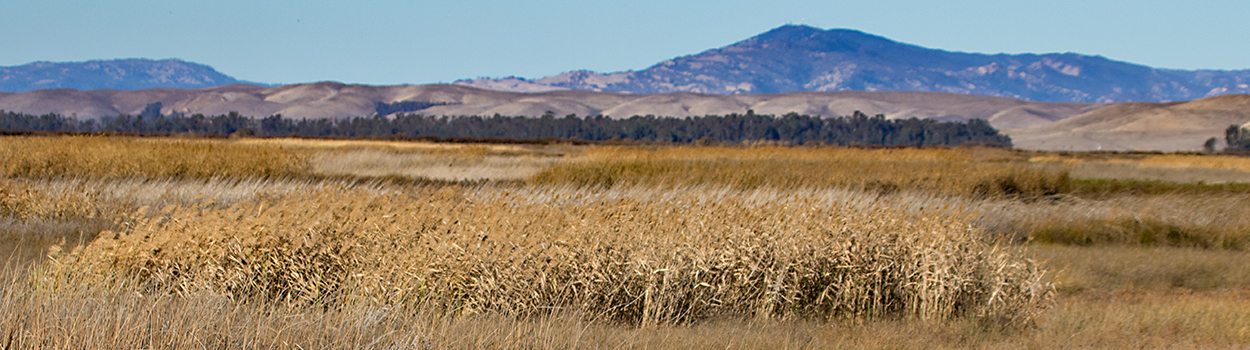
856, 129
1238, 138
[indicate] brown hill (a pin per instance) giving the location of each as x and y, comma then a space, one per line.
1032, 125
1176, 126
333, 100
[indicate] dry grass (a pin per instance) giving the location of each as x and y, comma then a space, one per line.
739, 248
1177, 161
962, 172
1122, 171
420, 160
1211, 221
622, 254
989, 181
152, 158
76, 314
407, 146
36, 214
1146, 297
75, 317
462, 165
33, 218
1103, 270
1179, 168
113, 157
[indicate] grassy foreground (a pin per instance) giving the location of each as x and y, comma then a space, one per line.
278, 244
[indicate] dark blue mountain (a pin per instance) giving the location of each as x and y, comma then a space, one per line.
802, 58
123, 74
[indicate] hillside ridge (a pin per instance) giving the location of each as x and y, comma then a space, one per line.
121, 74
802, 58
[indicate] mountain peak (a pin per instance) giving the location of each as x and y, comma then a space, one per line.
804, 58
798, 32
789, 32
820, 40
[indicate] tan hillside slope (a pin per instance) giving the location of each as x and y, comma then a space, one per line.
335, 100
1176, 126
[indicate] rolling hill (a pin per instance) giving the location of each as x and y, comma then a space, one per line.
1176, 126
334, 100
1032, 125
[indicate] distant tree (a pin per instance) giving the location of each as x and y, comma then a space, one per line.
151, 111
1209, 146
384, 109
1237, 138
276, 125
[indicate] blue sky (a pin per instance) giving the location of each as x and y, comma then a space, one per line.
395, 42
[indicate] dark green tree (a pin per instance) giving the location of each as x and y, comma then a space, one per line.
1238, 138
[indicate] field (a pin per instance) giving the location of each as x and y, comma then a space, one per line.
300, 244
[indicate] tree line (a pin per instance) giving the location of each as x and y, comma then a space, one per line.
856, 129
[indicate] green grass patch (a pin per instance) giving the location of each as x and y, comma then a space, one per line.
1103, 188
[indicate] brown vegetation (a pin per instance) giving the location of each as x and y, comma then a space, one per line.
108, 157
621, 254
976, 173
1165, 168
688, 247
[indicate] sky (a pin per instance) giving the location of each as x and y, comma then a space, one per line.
384, 42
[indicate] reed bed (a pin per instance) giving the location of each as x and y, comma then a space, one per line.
36, 214
77, 315
619, 256
34, 217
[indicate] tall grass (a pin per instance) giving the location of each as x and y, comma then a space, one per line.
34, 217
36, 214
619, 255
114, 157
976, 173
76, 315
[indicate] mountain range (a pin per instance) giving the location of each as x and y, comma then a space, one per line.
789, 58
123, 74
802, 58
